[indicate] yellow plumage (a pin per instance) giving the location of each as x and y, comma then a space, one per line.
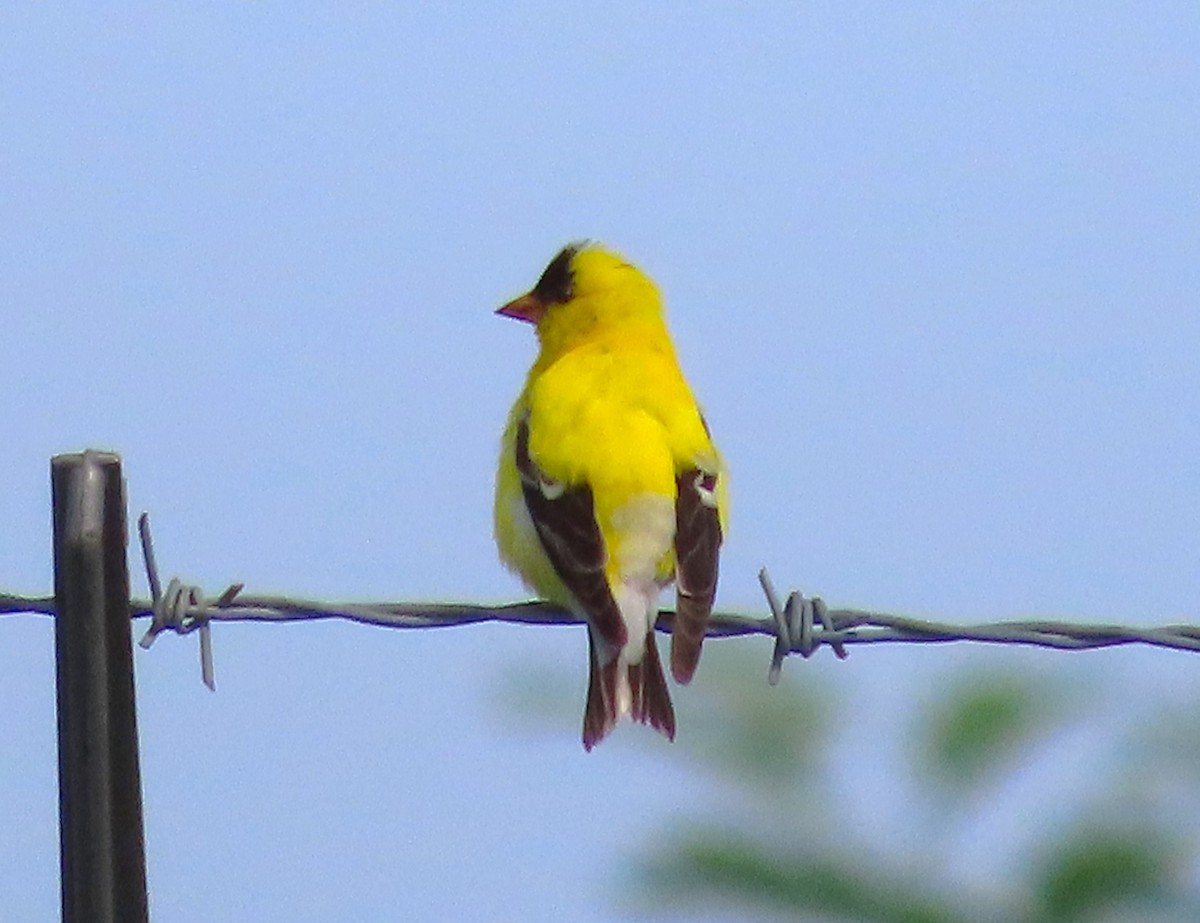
605, 412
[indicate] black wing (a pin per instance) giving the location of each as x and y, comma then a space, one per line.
565, 520
697, 549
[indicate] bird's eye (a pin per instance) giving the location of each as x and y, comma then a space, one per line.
557, 282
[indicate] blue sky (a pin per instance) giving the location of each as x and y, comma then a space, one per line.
932, 272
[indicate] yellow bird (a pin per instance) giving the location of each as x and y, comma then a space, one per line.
609, 484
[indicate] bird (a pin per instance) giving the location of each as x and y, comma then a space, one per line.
609, 485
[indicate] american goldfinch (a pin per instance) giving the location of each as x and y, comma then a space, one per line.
609, 484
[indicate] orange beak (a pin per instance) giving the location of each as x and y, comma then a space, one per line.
528, 308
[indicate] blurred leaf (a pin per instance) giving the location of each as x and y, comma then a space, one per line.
981, 723
1171, 739
792, 855
707, 865
766, 737
1102, 869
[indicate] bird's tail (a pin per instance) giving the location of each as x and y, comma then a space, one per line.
641, 693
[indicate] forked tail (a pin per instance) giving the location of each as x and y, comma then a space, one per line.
645, 696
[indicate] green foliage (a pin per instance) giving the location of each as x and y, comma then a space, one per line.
1097, 869
712, 863
742, 731
1111, 844
982, 723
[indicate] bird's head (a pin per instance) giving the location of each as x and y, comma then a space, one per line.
584, 290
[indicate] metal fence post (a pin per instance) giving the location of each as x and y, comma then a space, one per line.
102, 839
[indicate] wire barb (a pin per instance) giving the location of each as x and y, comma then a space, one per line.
783, 626
182, 608
794, 626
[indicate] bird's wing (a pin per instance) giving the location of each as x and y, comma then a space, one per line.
697, 547
565, 519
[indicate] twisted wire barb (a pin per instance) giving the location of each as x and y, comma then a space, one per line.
181, 608
800, 625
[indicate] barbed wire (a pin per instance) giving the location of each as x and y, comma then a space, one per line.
800, 625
